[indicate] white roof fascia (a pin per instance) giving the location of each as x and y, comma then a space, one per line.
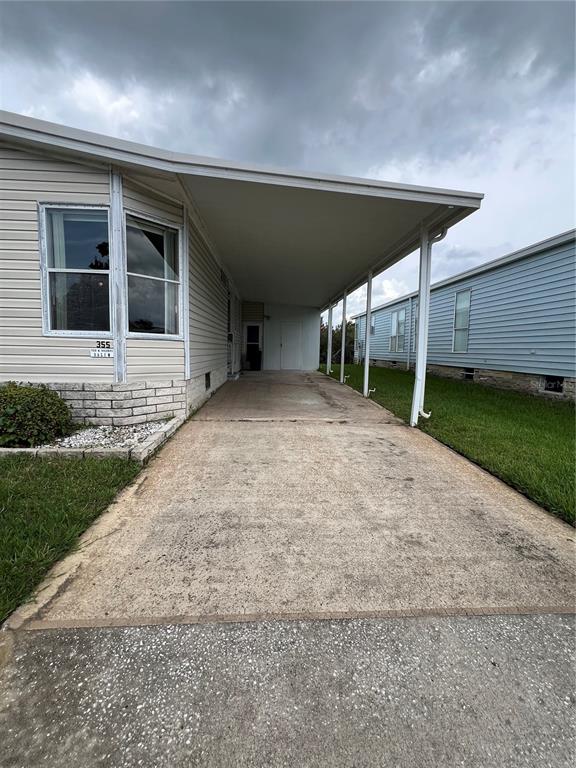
523, 253
29, 129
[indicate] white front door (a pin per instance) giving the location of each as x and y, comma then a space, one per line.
291, 346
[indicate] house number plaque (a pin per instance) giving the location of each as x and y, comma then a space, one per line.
103, 349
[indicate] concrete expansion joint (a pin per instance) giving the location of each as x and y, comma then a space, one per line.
272, 420
41, 624
302, 420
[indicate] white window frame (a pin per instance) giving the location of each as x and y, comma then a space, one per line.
45, 271
144, 217
372, 326
393, 336
413, 336
393, 345
454, 329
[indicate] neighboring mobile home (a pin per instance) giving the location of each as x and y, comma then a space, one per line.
135, 281
508, 323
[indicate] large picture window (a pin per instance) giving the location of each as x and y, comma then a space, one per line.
78, 270
398, 331
461, 321
153, 277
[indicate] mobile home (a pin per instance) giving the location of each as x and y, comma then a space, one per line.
509, 323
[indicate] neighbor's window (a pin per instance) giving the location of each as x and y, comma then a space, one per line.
372, 326
398, 331
153, 277
78, 269
461, 321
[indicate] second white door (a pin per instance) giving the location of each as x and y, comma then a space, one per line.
291, 346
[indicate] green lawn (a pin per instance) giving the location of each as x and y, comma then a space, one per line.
45, 504
528, 442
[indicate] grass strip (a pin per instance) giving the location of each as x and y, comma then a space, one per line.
45, 505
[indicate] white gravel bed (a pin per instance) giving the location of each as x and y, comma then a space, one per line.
107, 437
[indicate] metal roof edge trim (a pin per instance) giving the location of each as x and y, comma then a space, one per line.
25, 128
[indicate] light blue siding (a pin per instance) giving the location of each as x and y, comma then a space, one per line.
380, 339
522, 316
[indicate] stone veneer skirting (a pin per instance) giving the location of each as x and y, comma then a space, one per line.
196, 392
137, 402
530, 383
133, 402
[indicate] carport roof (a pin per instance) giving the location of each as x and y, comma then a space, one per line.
284, 237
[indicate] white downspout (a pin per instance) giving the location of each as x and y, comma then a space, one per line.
423, 322
329, 348
409, 333
343, 339
423, 296
366, 390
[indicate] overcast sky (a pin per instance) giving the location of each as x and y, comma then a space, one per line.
474, 96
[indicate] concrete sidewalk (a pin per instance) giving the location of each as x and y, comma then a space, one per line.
402, 567
481, 692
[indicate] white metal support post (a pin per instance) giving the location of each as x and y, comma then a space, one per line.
366, 390
422, 335
329, 346
423, 323
426, 327
343, 339
440, 236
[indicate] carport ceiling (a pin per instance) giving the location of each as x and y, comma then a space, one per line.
291, 244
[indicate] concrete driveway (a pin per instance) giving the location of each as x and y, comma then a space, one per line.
289, 497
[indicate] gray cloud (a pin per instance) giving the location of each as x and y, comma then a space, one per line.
324, 84
474, 95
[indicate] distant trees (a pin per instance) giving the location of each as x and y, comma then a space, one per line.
337, 342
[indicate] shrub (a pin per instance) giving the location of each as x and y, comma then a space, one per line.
31, 415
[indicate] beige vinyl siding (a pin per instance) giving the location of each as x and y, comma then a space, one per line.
26, 179
208, 308
138, 199
154, 359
